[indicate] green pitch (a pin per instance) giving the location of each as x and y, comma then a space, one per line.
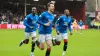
85, 44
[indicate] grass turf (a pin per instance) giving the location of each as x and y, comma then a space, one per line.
85, 44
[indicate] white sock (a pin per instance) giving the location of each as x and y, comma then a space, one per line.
63, 53
54, 38
31, 52
22, 40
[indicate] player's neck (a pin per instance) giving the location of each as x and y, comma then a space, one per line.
49, 11
33, 14
66, 15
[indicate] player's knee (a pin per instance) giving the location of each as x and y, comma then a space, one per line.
27, 41
34, 39
49, 45
42, 48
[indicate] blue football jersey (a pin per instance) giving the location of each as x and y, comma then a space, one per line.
80, 23
45, 17
31, 21
63, 23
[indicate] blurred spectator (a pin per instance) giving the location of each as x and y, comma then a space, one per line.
21, 19
92, 24
95, 24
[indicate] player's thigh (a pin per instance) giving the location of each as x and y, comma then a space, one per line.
42, 45
58, 37
49, 40
41, 40
49, 43
27, 35
64, 35
33, 34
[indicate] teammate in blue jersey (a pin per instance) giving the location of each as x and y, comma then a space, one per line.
45, 29
30, 22
62, 24
80, 24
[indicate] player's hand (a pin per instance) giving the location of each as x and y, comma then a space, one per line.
31, 27
71, 33
58, 32
47, 24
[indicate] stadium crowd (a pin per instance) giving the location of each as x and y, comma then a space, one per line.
7, 17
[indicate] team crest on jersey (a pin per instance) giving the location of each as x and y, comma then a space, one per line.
33, 21
65, 23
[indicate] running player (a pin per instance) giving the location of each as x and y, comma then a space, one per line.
45, 29
31, 25
62, 24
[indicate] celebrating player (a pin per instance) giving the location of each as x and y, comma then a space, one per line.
80, 23
62, 23
31, 25
45, 28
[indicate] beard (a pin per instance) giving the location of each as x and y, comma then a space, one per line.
52, 11
67, 14
33, 13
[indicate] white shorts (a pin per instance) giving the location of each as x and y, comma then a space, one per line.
28, 34
61, 36
43, 38
80, 27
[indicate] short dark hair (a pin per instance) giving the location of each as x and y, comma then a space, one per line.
65, 10
48, 5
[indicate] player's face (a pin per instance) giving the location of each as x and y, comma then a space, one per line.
67, 12
34, 10
51, 7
